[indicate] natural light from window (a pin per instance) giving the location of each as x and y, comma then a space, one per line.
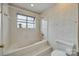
25, 21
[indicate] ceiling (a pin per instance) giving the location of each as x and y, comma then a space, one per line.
38, 7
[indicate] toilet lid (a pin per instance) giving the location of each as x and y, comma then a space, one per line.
58, 53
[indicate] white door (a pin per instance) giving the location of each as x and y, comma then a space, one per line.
0, 33
44, 28
3, 28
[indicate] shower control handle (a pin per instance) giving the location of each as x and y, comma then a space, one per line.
1, 46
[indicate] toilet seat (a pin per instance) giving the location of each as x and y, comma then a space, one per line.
58, 53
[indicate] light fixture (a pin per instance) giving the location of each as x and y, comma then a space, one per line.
32, 5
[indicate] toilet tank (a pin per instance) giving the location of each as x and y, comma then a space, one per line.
63, 45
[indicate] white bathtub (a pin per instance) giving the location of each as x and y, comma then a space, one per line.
41, 48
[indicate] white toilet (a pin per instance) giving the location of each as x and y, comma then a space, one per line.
63, 48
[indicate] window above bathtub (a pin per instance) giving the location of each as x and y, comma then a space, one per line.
24, 21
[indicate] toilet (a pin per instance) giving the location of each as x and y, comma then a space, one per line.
63, 48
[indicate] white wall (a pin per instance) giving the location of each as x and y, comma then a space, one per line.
62, 23
22, 37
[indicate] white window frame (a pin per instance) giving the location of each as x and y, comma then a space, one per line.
27, 21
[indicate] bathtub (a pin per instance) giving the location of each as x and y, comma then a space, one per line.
41, 48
